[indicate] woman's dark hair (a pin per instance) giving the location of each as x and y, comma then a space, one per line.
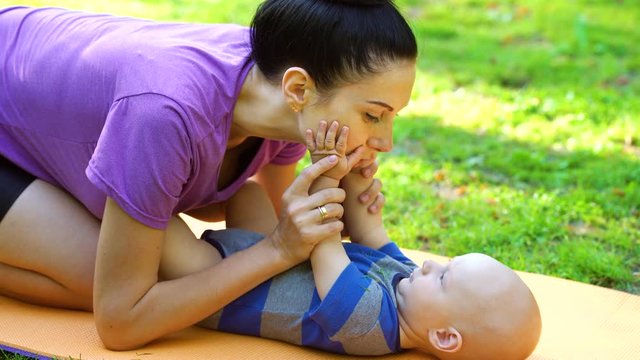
335, 41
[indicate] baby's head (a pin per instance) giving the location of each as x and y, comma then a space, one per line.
473, 308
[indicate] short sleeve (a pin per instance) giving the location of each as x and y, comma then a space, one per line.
359, 314
289, 154
342, 299
143, 157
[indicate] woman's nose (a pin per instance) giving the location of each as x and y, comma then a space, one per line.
381, 144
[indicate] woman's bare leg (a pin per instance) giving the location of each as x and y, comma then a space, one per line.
48, 244
48, 249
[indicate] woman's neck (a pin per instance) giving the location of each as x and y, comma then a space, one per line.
261, 111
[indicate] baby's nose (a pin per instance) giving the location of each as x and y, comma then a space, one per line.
426, 267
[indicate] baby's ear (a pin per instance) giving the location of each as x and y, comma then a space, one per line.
447, 340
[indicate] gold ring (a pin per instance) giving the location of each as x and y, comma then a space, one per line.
323, 212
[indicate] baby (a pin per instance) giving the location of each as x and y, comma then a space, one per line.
367, 298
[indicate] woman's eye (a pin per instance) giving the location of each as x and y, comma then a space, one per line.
372, 118
441, 278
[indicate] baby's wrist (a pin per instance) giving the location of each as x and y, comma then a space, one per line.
328, 180
323, 182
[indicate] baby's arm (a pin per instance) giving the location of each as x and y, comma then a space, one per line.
364, 227
329, 259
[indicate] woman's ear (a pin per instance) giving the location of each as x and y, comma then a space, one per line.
297, 86
447, 340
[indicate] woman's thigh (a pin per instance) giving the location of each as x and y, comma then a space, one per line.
47, 248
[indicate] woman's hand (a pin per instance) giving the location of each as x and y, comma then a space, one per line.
301, 224
372, 196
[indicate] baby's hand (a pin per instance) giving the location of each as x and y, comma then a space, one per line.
325, 144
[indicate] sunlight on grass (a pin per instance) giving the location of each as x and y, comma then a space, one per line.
523, 118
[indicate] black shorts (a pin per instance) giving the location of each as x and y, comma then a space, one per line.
13, 181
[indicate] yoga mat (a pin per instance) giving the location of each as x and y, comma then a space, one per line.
580, 321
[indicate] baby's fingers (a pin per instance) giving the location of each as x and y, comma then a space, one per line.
320, 135
330, 138
341, 145
354, 157
308, 139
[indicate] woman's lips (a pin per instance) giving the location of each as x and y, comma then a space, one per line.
363, 163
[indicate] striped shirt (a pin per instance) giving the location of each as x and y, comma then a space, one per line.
358, 316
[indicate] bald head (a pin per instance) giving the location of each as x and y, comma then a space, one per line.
497, 315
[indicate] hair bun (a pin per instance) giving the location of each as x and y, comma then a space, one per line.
363, 2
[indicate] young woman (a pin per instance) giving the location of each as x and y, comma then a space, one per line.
110, 127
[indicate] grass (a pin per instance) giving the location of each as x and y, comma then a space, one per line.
522, 139
5, 355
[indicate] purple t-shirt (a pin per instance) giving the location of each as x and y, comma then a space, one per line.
136, 110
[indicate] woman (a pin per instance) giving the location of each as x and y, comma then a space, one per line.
110, 127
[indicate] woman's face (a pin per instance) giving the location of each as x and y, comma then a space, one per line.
368, 108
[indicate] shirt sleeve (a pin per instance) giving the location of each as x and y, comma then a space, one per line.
289, 154
143, 157
358, 313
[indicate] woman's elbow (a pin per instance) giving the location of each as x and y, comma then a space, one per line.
116, 331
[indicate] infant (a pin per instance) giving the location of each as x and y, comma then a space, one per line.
367, 298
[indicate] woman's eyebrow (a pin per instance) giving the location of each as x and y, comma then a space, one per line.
383, 104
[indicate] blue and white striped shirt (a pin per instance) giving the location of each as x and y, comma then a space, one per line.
358, 316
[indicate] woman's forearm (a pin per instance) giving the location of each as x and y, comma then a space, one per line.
176, 304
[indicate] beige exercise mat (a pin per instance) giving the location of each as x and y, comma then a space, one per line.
579, 322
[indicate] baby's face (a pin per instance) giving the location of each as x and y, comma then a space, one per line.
435, 296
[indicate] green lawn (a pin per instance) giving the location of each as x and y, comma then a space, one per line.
522, 139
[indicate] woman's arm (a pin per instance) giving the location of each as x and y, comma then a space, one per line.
131, 305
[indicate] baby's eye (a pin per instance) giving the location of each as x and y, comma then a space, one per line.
372, 118
441, 278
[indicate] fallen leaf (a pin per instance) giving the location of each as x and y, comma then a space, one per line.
439, 175
618, 192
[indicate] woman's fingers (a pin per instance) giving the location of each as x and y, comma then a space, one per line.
324, 213
378, 204
326, 196
370, 170
369, 195
301, 184
327, 229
